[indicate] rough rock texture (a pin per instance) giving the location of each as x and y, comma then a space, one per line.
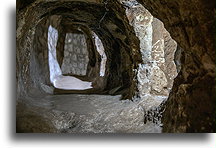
29, 121
156, 73
108, 21
40, 54
191, 104
75, 55
100, 49
163, 51
39, 69
88, 114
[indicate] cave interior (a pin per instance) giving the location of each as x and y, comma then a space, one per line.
115, 66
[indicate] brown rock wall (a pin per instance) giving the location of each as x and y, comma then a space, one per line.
191, 24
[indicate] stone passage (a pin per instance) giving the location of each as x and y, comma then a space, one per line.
75, 55
140, 66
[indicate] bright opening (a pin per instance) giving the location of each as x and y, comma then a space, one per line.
56, 77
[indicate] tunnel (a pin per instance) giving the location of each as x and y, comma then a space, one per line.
121, 66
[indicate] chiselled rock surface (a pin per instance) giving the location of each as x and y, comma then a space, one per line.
191, 104
163, 52
138, 60
156, 73
88, 114
108, 21
100, 50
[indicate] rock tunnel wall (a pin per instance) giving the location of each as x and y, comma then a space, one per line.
54, 68
103, 57
39, 57
156, 73
76, 58
114, 31
39, 70
163, 54
191, 103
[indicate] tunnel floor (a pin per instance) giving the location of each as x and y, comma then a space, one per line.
76, 113
71, 83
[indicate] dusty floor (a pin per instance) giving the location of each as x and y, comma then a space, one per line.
76, 113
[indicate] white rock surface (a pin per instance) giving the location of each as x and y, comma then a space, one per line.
71, 83
54, 67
